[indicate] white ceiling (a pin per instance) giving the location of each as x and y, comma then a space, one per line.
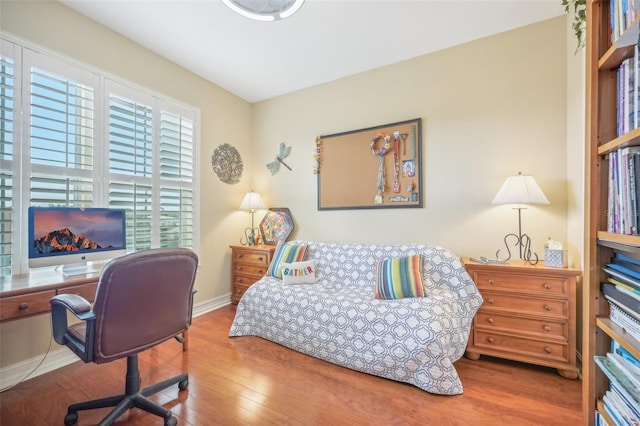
324, 41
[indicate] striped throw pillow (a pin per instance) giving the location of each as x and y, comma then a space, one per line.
399, 277
285, 253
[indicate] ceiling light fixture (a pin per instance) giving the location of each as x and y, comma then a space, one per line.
264, 10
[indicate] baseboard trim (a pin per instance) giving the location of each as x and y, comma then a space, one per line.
27, 369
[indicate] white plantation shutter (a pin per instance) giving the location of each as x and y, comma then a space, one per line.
61, 133
153, 181
86, 140
130, 137
176, 174
137, 199
7, 135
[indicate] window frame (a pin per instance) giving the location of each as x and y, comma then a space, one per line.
25, 55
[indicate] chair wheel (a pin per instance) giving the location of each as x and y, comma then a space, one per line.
182, 385
171, 421
71, 419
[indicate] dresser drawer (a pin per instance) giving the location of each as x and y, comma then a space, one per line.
550, 351
254, 257
25, 305
255, 271
492, 322
526, 284
553, 308
238, 291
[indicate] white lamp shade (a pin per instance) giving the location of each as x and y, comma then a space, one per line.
252, 201
520, 189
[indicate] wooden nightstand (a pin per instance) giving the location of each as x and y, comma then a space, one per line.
528, 314
248, 265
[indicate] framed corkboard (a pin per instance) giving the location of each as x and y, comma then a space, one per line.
374, 168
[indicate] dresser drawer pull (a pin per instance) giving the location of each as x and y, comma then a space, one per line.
490, 320
547, 286
261, 259
547, 307
490, 339
547, 349
23, 306
490, 301
491, 282
546, 328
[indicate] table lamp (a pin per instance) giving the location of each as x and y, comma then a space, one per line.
252, 201
520, 189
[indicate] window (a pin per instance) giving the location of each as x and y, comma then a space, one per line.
89, 140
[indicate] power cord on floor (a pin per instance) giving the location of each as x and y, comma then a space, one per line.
28, 374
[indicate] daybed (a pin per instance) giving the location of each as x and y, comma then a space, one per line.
337, 318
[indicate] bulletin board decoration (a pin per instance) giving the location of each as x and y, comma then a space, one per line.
374, 168
276, 225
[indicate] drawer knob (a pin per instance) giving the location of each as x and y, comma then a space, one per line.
546, 328
490, 301
547, 286
491, 282
23, 306
490, 320
547, 349
490, 339
547, 307
261, 259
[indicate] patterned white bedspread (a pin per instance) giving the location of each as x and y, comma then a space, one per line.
337, 319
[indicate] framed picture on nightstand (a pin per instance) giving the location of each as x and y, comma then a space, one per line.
276, 226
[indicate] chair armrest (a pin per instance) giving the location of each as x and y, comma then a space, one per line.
63, 303
73, 302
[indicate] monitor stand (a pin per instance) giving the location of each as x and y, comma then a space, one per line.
76, 269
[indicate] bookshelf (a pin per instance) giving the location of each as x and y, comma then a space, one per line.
603, 59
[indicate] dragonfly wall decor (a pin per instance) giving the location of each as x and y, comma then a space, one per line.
274, 166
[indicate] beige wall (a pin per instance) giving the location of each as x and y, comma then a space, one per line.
225, 118
490, 108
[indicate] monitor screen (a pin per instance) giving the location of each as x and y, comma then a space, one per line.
68, 236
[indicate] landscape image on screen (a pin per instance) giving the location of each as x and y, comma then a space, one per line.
59, 231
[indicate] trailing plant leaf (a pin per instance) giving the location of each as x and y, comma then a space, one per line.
578, 8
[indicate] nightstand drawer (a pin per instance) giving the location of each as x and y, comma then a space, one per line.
550, 351
526, 284
238, 291
256, 271
525, 305
251, 256
490, 321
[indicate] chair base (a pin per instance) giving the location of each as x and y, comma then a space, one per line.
133, 397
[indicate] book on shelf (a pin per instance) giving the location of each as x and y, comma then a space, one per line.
622, 297
623, 278
627, 356
622, 14
623, 196
620, 383
624, 269
624, 320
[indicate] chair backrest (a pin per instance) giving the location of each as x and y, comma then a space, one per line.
143, 299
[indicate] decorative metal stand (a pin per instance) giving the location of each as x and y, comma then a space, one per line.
522, 241
250, 237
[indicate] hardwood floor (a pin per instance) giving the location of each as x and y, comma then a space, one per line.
250, 381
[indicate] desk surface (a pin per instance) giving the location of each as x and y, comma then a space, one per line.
42, 279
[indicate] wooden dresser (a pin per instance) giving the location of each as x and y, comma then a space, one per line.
528, 314
248, 265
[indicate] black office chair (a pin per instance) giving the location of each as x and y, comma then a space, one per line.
142, 299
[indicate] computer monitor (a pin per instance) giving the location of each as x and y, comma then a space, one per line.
71, 237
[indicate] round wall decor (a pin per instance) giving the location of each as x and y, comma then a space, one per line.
227, 163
